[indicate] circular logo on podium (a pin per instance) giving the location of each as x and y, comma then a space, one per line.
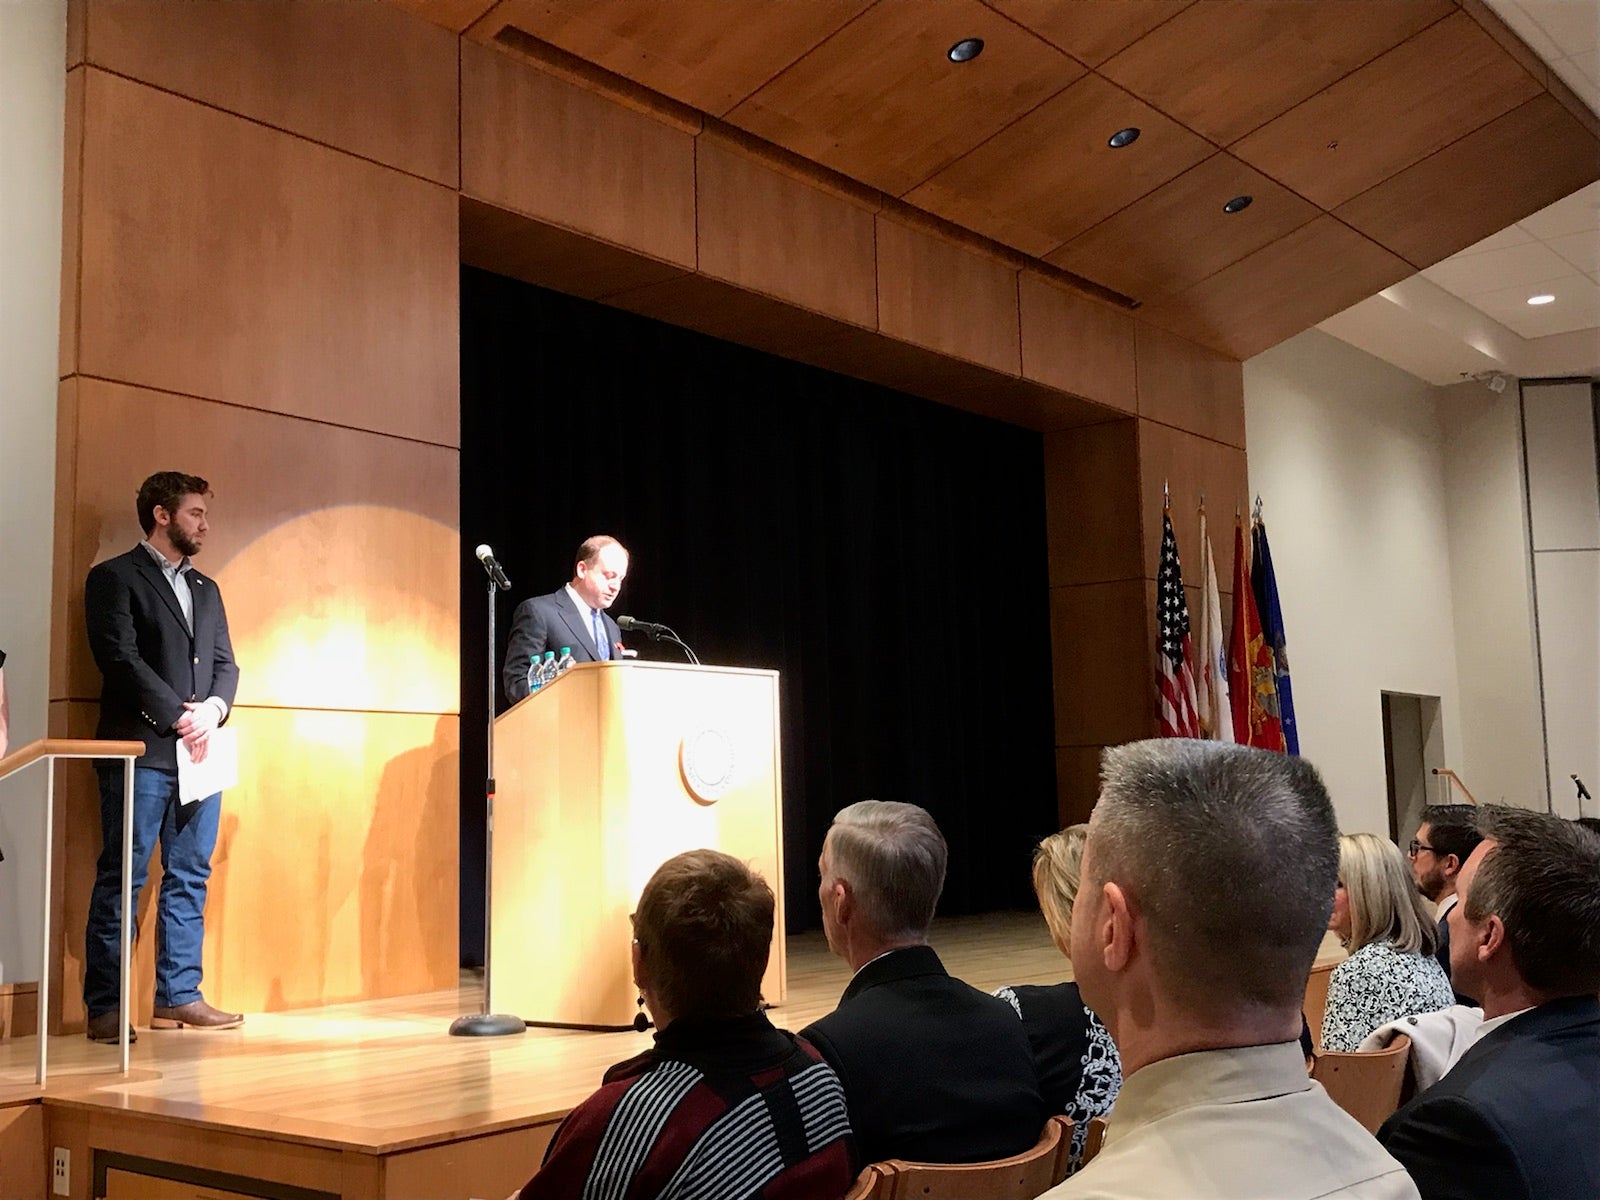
707, 761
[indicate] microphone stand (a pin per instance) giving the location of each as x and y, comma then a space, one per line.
486, 1023
660, 633
1583, 794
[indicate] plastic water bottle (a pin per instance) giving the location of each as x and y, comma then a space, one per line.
566, 660
547, 667
535, 675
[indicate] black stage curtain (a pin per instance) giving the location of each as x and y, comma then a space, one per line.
885, 553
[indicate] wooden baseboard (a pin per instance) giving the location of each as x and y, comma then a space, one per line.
19, 1009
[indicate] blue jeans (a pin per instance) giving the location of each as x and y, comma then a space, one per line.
188, 834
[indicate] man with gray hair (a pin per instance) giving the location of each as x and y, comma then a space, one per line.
933, 1069
1208, 877
1518, 1117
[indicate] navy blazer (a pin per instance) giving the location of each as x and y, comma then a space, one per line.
150, 662
1518, 1118
549, 623
933, 1069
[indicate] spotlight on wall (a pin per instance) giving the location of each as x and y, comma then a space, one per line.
1123, 137
965, 50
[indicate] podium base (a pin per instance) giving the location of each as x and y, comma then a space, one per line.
487, 1025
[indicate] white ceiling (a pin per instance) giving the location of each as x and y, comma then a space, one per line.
1469, 315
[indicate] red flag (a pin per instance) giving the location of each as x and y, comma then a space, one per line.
1180, 712
1252, 685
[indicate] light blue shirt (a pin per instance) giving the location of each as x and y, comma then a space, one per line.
177, 579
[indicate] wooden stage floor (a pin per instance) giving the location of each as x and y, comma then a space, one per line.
376, 1100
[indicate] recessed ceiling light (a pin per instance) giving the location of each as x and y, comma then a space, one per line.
1237, 204
1123, 137
1541, 298
966, 50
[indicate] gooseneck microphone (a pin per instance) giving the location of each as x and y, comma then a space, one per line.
491, 565
1583, 792
657, 633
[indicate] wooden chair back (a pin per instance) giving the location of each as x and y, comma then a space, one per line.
1317, 999
1093, 1140
1020, 1177
1367, 1085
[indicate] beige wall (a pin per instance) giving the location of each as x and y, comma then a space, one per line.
1349, 457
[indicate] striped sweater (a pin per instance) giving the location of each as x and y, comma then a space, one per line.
718, 1110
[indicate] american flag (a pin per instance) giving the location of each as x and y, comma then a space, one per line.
1180, 712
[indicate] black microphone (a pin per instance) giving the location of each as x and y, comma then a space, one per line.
1583, 792
487, 558
629, 624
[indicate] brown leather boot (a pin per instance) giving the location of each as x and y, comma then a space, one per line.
103, 1028
196, 1014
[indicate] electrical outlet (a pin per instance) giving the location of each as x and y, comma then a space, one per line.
61, 1177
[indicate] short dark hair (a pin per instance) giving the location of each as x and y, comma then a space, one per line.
1592, 824
1232, 854
1542, 879
1452, 829
704, 928
166, 489
591, 547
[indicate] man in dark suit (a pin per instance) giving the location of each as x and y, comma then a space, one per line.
160, 638
933, 1069
1518, 1117
575, 616
1447, 835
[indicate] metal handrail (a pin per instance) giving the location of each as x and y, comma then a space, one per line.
48, 750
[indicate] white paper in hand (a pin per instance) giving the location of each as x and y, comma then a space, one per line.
218, 772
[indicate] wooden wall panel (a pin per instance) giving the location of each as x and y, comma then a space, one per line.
555, 151
71, 221
227, 260
77, 32
1191, 466
1103, 672
1091, 480
22, 1165
1548, 150
336, 550
66, 586
1264, 298
345, 822
365, 78
1447, 81
454, 15
1076, 344
1077, 783
944, 297
1189, 386
765, 231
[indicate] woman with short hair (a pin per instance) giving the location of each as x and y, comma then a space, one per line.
1383, 921
1080, 1072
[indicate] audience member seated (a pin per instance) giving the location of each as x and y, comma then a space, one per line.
1206, 884
933, 1069
1381, 919
724, 1105
1518, 1117
1079, 1071
1448, 833
1438, 1040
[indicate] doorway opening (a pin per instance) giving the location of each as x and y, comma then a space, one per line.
1413, 746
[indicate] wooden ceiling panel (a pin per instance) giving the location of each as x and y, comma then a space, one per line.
1318, 270
881, 102
1051, 175
1090, 30
454, 15
1507, 170
1436, 87
689, 50
1178, 235
1227, 67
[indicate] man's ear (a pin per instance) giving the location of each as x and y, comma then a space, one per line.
844, 901
1491, 938
1451, 865
1115, 932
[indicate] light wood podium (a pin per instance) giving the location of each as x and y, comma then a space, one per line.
601, 777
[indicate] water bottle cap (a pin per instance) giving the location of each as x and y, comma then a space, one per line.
566, 650
549, 653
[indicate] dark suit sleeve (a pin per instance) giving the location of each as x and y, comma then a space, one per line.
108, 611
1453, 1152
224, 669
528, 638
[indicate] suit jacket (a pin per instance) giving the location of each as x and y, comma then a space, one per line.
1443, 955
549, 623
150, 662
1515, 1119
933, 1069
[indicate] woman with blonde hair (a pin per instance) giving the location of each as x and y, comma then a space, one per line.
1080, 1072
1383, 921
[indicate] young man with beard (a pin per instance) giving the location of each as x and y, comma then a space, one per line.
1447, 835
160, 638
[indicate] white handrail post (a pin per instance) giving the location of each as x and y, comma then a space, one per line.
125, 1012
44, 921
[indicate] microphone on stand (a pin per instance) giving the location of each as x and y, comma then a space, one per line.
1583, 793
657, 633
492, 565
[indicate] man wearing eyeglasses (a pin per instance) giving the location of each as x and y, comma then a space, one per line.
1447, 835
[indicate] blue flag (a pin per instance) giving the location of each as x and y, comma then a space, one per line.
1265, 585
